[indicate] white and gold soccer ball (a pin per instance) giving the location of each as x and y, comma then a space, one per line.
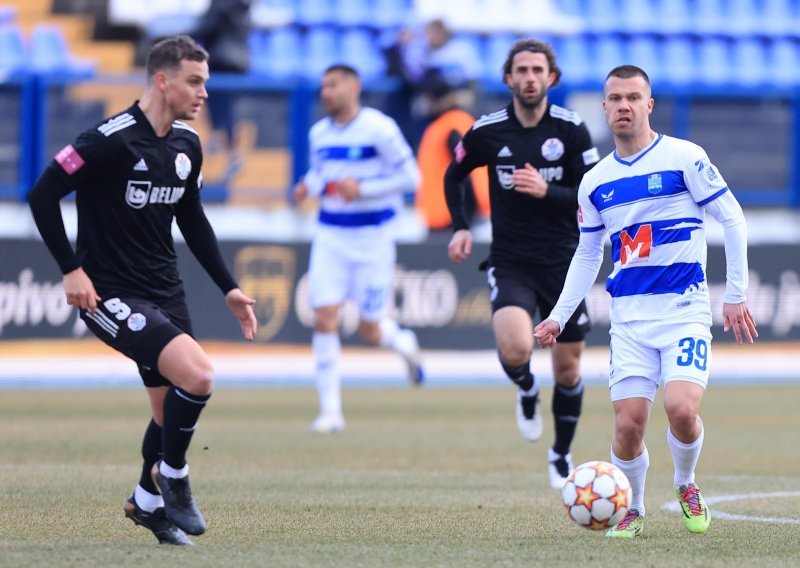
597, 495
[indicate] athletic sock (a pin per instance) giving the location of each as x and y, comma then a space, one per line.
636, 472
398, 339
327, 350
147, 500
151, 453
181, 411
685, 457
567, 403
522, 377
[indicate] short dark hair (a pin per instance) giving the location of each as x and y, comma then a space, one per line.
534, 46
167, 54
342, 68
628, 72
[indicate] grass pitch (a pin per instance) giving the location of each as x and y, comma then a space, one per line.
426, 477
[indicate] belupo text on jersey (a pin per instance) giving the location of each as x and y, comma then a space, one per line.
140, 193
548, 174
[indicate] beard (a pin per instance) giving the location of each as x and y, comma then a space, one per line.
529, 103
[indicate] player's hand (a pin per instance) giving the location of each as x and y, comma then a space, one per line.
547, 332
529, 180
300, 191
80, 290
348, 188
242, 307
738, 317
460, 246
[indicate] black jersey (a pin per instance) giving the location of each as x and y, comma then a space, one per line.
129, 184
541, 232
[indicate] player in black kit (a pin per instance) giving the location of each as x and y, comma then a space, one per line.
536, 154
132, 174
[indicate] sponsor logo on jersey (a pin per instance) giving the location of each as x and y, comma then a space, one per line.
711, 174
69, 159
505, 152
140, 166
183, 166
636, 247
654, 185
140, 193
552, 149
461, 153
504, 174
136, 322
607, 196
551, 174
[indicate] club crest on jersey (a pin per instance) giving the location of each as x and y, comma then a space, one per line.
654, 185
137, 194
183, 165
711, 174
552, 149
504, 174
136, 322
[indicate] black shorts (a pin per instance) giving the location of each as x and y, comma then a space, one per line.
529, 289
139, 329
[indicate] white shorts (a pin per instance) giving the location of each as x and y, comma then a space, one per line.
341, 269
647, 353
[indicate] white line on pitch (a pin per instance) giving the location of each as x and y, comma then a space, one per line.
673, 506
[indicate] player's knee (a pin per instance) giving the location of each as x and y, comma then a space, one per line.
370, 332
629, 428
567, 375
682, 417
515, 355
200, 379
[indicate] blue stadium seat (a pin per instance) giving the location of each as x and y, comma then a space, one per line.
673, 16
638, 16
749, 61
743, 17
571, 7
678, 60
778, 17
390, 13
645, 52
49, 52
714, 66
13, 53
315, 12
709, 17
609, 51
574, 59
495, 53
360, 50
279, 53
321, 48
353, 13
784, 61
602, 16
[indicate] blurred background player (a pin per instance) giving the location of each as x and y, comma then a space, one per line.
651, 195
133, 174
360, 168
537, 154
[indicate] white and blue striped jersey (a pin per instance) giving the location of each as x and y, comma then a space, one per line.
370, 148
651, 205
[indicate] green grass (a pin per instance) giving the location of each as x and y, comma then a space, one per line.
427, 477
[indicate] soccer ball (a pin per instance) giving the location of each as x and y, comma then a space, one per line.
597, 495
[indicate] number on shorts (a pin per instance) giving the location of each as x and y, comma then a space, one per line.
120, 309
693, 352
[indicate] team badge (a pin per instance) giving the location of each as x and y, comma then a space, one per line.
137, 193
654, 184
136, 322
552, 149
183, 165
711, 174
461, 153
504, 174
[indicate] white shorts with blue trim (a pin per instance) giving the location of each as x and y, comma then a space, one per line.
658, 353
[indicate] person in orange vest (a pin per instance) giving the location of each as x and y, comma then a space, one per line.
436, 151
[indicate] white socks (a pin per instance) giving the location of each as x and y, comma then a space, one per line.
401, 340
636, 471
327, 352
685, 457
168, 471
146, 501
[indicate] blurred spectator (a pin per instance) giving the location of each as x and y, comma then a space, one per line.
224, 30
430, 65
436, 151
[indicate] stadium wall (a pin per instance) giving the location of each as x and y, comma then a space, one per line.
446, 304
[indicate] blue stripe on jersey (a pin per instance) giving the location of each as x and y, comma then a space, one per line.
713, 197
592, 229
669, 231
347, 152
637, 188
671, 279
355, 219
